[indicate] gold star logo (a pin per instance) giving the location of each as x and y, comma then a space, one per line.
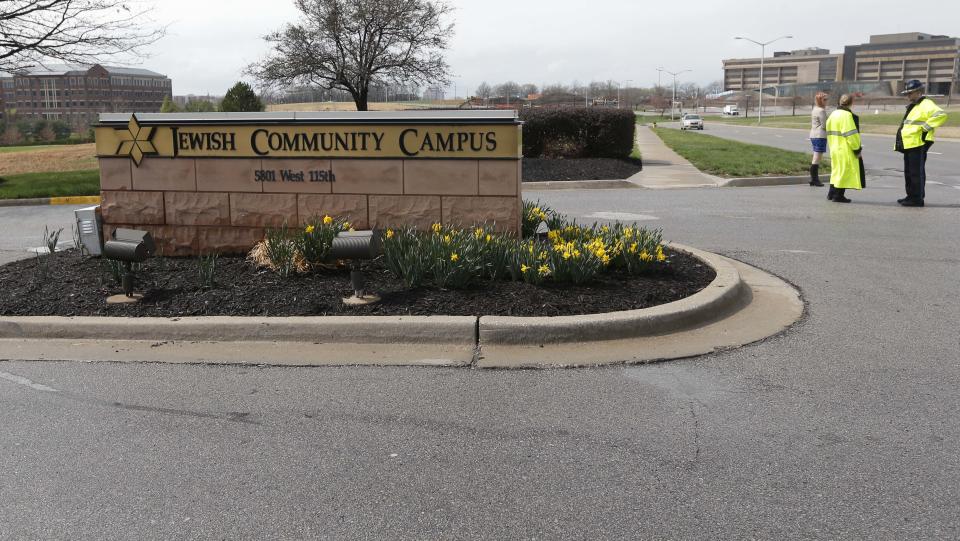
136, 141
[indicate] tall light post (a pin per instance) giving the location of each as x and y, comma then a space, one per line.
618, 91
763, 53
674, 100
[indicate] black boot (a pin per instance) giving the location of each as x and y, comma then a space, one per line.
815, 175
831, 193
839, 198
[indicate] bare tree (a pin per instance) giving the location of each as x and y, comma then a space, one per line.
349, 44
484, 91
508, 89
73, 31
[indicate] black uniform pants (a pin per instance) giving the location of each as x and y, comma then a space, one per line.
915, 172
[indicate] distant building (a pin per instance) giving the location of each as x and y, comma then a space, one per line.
77, 94
884, 63
434, 93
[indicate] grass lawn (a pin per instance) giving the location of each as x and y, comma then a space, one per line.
27, 148
731, 159
884, 123
61, 184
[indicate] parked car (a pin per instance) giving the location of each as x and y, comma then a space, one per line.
691, 122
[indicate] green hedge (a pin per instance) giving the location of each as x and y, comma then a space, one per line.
578, 133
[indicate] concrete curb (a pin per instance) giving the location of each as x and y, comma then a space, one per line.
763, 181
580, 185
333, 329
726, 293
73, 200
724, 296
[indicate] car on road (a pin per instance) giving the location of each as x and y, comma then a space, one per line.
691, 122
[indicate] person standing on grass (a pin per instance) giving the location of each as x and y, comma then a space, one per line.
818, 135
843, 138
914, 139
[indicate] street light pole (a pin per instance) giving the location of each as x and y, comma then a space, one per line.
628, 88
763, 53
674, 100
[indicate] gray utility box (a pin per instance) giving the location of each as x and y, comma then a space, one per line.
90, 226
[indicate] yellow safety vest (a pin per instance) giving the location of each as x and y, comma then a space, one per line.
918, 127
844, 140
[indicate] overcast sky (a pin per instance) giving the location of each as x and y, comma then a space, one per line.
544, 41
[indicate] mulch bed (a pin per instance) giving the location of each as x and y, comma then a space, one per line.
79, 286
542, 169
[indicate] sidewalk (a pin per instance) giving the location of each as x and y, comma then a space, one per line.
664, 168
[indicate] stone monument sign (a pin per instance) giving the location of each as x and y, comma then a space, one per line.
213, 182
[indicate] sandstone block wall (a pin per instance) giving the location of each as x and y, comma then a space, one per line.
199, 206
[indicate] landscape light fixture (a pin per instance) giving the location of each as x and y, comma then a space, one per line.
357, 246
128, 246
763, 53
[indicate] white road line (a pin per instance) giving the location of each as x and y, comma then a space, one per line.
623, 216
935, 182
935, 153
19, 380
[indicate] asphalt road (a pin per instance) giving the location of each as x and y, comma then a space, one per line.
843, 427
943, 162
23, 229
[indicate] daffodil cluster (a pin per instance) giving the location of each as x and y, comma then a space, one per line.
316, 239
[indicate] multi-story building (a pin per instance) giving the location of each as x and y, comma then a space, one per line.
886, 62
804, 66
78, 94
900, 57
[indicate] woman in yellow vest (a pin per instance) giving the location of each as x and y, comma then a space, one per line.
843, 138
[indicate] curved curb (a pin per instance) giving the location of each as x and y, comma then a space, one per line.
43, 201
754, 182
726, 293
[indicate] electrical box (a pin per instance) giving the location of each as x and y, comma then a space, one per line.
90, 226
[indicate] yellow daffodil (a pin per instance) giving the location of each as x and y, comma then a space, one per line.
327, 220
454, 257
661, 258
478, 233
567, 255
524, 268
389, 233
644, 256
437, 228
447, 239
544, 270
309, 229
489, 237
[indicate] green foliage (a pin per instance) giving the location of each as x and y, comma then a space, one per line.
535, 212
207, 269
169, 106
51, 239
114, 269
316, 239
241, 98
446, 258
281, 250
59, 184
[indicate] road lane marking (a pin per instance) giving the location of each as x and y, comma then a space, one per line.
621, 216
19, 380
935, 153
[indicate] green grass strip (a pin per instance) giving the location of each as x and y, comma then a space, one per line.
732, 159
60, 184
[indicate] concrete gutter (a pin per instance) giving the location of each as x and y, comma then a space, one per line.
72, 200
333, 329
579, 185
724, 295
763, 181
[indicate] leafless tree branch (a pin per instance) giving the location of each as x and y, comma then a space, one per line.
351, 44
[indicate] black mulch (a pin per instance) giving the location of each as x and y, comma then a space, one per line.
541, 169
78, 286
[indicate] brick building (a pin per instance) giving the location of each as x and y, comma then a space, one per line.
78, 94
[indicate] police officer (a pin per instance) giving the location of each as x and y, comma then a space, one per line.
914, 139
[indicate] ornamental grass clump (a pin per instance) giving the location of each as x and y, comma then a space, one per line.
279, 252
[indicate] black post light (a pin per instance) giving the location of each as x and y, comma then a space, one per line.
357, 246
128, 246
